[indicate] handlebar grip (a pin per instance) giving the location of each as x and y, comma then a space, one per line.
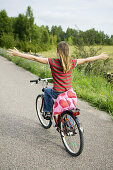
31, 81
36, 81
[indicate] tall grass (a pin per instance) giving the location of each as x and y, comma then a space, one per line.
94, 89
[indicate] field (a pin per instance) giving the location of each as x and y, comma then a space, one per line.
52, 52
107, 49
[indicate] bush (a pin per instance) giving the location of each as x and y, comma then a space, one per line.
92, 67
32, 47
26, 46
7, 40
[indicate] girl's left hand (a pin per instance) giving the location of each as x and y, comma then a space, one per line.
103, 56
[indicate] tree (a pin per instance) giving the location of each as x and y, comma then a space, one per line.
57, 30
90, 37
80, 38
70, 41
45, 37
7, 40
36, 34
5, 23
75, 37
30, 21
53, 39
99, 38
69, 33
107, 39
21, 27
111, 40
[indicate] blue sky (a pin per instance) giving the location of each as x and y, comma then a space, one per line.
77, 14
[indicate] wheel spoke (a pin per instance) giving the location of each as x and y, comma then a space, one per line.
45, 123
71, 135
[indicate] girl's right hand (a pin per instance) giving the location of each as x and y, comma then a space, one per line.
13, 52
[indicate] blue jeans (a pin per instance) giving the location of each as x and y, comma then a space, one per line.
49, 94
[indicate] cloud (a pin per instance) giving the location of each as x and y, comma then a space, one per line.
85, 14
57, 17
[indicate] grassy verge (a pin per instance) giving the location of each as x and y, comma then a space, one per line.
94, 89
38, 69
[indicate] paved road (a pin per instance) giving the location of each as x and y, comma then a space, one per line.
25, 145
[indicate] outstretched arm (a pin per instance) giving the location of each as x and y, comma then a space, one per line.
15, 52
102, 56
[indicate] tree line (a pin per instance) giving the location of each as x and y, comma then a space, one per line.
24, 34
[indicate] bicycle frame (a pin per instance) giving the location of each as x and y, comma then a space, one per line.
56, 118
56, 123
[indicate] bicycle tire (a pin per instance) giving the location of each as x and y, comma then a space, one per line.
45, 123
73, 140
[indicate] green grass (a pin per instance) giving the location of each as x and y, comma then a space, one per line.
39, 69
94, 89
50, 53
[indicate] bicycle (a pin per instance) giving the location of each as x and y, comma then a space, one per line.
66, 123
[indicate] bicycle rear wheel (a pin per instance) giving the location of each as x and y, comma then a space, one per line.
71, 134
39, 109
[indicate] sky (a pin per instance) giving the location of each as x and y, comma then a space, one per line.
76, 14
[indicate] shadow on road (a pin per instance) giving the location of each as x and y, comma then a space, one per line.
30, 132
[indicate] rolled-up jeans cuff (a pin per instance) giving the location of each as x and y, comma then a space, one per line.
49, 94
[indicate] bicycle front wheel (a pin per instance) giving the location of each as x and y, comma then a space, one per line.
71, 134
39, 109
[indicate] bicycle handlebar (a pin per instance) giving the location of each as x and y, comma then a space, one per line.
39, 79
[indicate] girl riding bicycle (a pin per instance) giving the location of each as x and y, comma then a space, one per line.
61, 68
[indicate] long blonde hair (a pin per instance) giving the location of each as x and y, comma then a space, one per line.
63, 51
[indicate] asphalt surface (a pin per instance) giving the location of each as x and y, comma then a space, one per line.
26, 145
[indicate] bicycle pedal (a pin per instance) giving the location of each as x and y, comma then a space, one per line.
46, 116
58, 130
